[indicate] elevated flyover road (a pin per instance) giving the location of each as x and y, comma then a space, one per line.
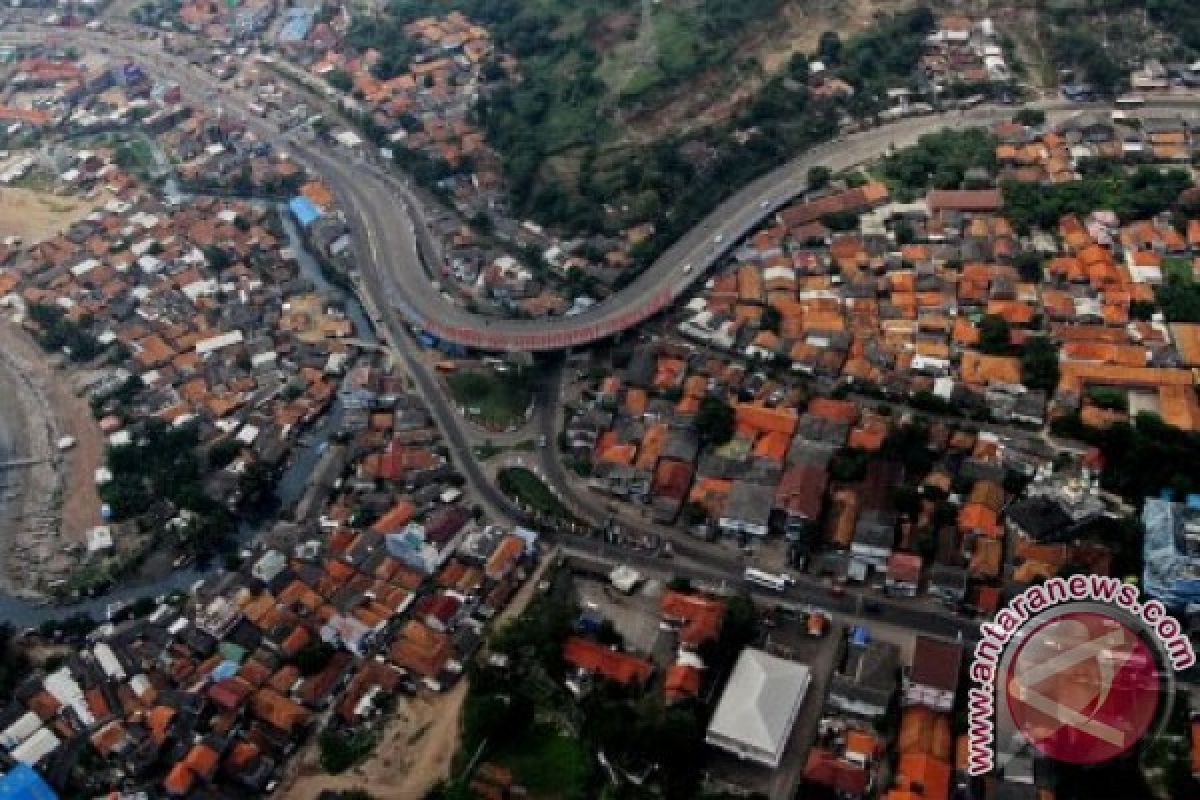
389, 220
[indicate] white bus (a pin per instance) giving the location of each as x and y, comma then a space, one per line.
1130, 101
767, 580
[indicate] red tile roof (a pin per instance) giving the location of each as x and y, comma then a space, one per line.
700, 617
613, 665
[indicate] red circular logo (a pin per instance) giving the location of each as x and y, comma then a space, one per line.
1083, 687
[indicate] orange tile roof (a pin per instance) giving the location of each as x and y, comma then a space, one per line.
682, 681
699, 616
837, 410
613, 665
1186, 336
980, 369
202, 760
635, 402
397, 517
504, 557
760, 419
179, 780
421, 649
653, 440
925, 731
278, 711
930, 774
985, 561
773, 446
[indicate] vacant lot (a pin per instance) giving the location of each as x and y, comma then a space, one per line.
413, 755
496, 400
35, 215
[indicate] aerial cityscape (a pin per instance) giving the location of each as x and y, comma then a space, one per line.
448, 399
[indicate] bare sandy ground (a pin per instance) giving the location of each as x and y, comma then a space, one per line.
418, 746
35, 215
57, 495
413, 755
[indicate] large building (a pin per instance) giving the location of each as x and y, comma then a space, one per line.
1172, 551
756, 712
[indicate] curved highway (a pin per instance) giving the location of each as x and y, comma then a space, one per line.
391, 246
385, 214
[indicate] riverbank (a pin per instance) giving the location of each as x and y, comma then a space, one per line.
23, 610
31, 547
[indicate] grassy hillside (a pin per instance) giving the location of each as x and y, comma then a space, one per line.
632, 111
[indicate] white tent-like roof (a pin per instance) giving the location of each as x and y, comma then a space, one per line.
754, 718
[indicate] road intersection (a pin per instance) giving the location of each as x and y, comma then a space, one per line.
396, 253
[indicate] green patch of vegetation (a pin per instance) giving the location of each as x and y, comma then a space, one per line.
877, 58
1078, 49
1142, 457
521, 716
550, 764
57, 331
1039, 364
162, 463
341, 750
1177, 270
995, 337
495, 399
567, 164
849, 465
1179, 302
1108, 398
1139, 194
528, 489
487, 450
714, 422
134, 154
14, 661
941, 160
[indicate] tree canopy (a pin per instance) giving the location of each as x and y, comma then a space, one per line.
714, 421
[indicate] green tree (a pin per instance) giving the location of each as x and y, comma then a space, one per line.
714, 422
340, 80
771, 319
1039, 364
1029, 266
829, 49
818, 177
216, 257
995, 337
1030, 117
14, 661
314, 657
222, 454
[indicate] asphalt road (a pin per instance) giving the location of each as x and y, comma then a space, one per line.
392, 240
386, 213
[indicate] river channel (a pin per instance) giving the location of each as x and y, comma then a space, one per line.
22, 613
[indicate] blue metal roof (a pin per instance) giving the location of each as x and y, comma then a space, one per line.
296, 24
24, 783
304, 209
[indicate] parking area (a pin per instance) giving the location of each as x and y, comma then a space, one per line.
635, 616
787, 640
